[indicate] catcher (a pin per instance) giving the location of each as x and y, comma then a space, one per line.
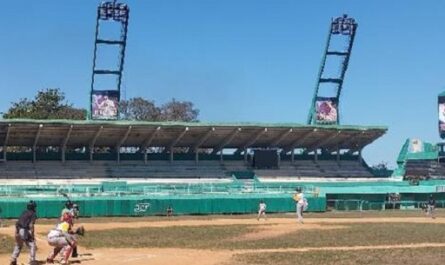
64, 239
69, 213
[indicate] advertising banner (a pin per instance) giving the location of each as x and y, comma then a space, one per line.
105, 104
415, 146
326, 110
441, 102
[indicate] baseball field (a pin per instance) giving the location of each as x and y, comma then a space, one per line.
389, 237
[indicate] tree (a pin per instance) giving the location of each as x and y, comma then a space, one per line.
139, 109
47, 104
146, 110
179, 111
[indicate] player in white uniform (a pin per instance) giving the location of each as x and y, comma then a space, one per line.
62, 238
301, 203
262, 210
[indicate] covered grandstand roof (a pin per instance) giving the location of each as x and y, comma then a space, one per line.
70, 133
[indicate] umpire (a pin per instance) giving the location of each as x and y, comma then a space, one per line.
24, 234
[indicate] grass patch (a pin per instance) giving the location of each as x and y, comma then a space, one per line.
366, 234
6, 244
219, 237
431, 256
176, 237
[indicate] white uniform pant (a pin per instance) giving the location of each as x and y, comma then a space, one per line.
300, 207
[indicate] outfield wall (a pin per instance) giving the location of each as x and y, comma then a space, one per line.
157, 205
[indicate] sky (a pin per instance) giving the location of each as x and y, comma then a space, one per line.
242, 60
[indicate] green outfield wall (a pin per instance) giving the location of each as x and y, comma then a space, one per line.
157, 205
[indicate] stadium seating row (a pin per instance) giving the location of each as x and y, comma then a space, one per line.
424, 169
176, 169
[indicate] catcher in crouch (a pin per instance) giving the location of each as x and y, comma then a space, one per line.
69, 213
63, 238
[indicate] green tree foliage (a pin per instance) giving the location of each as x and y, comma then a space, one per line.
139, 109
47, 104
179, 111
146, 110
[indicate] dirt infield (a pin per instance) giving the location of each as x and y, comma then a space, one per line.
273, 227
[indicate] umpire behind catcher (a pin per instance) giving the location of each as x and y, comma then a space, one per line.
24, 234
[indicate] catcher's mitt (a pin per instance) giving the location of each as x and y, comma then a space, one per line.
80, 231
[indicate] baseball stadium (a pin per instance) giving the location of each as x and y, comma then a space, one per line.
186, 192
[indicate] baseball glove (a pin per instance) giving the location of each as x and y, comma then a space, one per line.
80, 231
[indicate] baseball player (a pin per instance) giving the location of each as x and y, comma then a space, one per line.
64, 239
169, 211
68, 214
431, 206
24, 234
300, 204
262, 210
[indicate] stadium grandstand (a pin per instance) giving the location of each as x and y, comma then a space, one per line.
121, 167
113, 167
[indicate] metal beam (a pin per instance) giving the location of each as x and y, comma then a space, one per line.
298, 141
36, 140
5, 142
65, 142
171, 146
280, 138
67, 137
121, 142
226, 141
349, 139
365, 143
147, 142
254, 139
96, 135
124, 138
178, 138
360, 146
93, 141
202, 140
339, 144
323, 142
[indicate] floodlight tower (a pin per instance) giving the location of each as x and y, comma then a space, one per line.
324, 109
104, 102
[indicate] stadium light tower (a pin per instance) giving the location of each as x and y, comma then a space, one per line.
325, 108
105, 101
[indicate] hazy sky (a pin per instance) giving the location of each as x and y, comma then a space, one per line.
241, 60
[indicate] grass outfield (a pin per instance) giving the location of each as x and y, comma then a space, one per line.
225, 237
430, 256
326, 238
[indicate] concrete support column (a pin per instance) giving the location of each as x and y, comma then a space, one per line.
292, 156
221, 157
171, 155
145, 155
338, 155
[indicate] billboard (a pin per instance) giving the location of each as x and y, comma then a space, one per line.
441, 102
326, 110
104, 104
415, 146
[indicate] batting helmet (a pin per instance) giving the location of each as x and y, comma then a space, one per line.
31, 205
